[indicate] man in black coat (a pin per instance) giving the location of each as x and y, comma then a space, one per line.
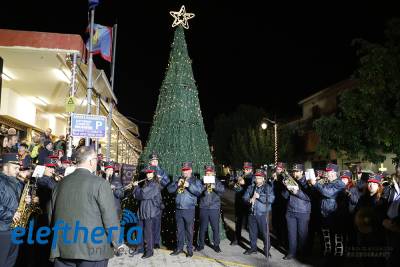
84, 200
210, 209
297, 212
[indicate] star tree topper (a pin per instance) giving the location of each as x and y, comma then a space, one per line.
181, 17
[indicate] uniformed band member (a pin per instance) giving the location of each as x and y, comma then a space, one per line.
257, 196
241, 185
46, 184
10, 193
210, 209
278, 210
164, 181
45, 187
297, 212
150, 206
187, 189
116, 185
329, 192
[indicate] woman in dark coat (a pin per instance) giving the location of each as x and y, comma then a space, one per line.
369, 216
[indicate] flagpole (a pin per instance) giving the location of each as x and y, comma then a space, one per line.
90, 69
113, 59
111, 106
72, 92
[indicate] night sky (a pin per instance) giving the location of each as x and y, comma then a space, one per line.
243, 52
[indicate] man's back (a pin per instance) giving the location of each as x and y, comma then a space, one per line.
83, 200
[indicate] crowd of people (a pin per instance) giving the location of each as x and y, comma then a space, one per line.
356, 214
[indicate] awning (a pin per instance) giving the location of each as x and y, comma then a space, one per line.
122, 121
127, 128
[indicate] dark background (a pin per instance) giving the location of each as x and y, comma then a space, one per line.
243, 52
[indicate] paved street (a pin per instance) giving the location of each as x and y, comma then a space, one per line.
230, 256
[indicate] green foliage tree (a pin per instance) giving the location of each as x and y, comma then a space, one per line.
255, 145
368, 122
238, 137
225, 126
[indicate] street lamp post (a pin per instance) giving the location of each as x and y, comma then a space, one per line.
264, 126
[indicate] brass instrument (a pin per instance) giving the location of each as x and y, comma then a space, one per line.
24, 208
237, 184
288, 180
130, 185
181, 188
209, 188
323, 181
240, 176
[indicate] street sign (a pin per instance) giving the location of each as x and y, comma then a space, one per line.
93, 126
70, 104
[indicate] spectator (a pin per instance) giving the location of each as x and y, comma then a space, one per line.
60, 144
46, 135
12, 144
35, 148
45, 151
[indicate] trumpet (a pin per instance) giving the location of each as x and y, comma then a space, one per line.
130, 185
181, 187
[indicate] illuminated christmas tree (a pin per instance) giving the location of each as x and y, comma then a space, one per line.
178, 133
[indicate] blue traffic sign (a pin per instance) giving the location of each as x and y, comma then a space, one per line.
83, 125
